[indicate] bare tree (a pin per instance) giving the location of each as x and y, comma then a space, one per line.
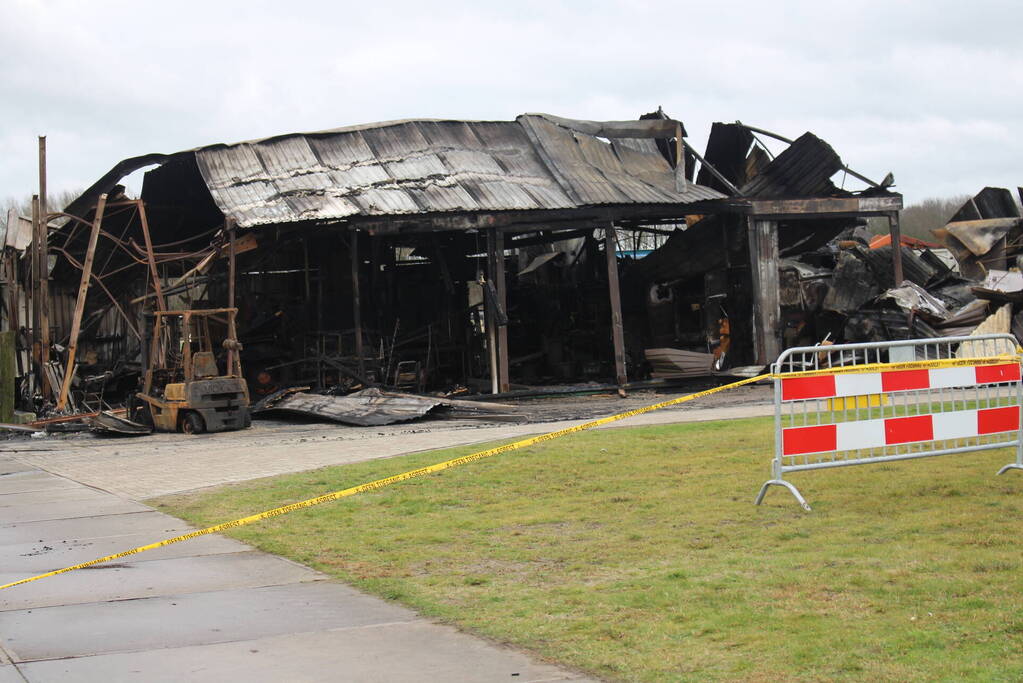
55, 202
917, 220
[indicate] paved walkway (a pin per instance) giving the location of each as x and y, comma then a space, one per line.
210, 609
142, 468
213, 608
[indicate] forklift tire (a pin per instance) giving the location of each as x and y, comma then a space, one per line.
192, 423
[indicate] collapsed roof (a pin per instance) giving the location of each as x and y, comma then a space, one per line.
536, 163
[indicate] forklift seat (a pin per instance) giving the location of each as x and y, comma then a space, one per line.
204, 364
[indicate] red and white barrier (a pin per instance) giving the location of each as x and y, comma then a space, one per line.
843, 404
892, 431
890, 381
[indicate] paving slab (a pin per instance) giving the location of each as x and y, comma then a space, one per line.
33, 480
74, 494
192, 619
72, 509
43, 555
414, 651
8, 674
10, 465
133, 580
89, 526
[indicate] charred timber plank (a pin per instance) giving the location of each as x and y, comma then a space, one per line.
502, 300
7, 375
83, 291
615, 295
896, 237
825, 205
763, 251
357, 302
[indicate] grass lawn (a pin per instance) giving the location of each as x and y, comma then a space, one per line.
637, 554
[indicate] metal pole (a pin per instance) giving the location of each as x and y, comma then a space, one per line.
615, 295
83, 291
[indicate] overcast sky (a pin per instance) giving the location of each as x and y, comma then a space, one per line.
932, 91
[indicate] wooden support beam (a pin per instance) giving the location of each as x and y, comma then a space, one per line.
353, 242
7, 375
490, 314
764, 260
37, 299
615, 295
232, 332
44, 264
83, 291
896, 235
823, 206
500, 283
157, 287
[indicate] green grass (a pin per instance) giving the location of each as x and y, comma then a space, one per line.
637, 554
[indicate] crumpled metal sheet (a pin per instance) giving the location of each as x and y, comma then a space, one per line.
981, 236
912, 297
535, 163
366, 408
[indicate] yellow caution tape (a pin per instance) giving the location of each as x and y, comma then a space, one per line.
465, 459
387, 481
906, 365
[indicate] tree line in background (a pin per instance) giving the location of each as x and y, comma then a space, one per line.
54, 202
917, 220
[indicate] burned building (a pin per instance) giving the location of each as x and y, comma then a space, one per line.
455, 255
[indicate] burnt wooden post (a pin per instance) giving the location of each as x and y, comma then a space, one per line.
504, 383
356, 301
151, 257
490, 314
37, 307
33, 284
7, 375
232, 325
615, 296
83, 292
763, 254
44, 268
896, 235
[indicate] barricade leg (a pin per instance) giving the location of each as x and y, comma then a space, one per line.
1018, 465
781, 482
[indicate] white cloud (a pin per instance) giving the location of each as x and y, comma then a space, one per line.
929, 90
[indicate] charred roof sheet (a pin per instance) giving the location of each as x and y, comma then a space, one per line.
535, 163
804, 169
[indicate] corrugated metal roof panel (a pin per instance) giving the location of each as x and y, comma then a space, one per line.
803, 169
409, 167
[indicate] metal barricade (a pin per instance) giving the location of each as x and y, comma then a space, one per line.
856, 404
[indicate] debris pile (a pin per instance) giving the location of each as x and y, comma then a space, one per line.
961, 286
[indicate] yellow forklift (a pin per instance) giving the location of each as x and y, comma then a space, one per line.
183, 387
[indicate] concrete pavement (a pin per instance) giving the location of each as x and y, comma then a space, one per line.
161, 464
209, 609
213, 608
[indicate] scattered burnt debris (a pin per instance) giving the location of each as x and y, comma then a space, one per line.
469, 258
